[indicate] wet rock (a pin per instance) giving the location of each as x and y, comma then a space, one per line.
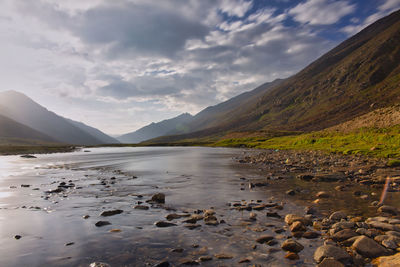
102, 223
311, 235
25, 185
245, 260
273, 214
292, 246
291, 218
174, 216
164, 224
310, 210
272, 243
141, 207
99, 264
388, 209
158, 198
329, 251
205, 258
115, 231
305, 177
17, 237
322, 194
177, 250
253, 216
337, 216
86, 217
163, 264
329, 262
297, 226
259, 207
291, 192
192, 226
383, 226
343, 235
223, 256
107, 213
389, 261
69, 244
264, 239
28, 156
189, 262
368, 247
292, 256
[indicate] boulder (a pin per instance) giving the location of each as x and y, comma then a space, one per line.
292, 246
330, 251
337, 216
343, 235
388, 209
291, 218
330, 262
297, 226
367, 247
389, 261
159, 198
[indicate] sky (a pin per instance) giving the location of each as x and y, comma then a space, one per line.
118, 65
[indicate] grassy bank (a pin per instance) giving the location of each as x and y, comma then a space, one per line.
382, 142
16, 150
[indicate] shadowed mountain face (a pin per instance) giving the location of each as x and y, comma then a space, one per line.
24, 110
153, 130
99, 135
12, 132
359, 75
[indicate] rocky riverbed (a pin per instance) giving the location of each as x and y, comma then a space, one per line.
209, 207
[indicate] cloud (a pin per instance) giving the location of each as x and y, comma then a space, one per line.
236, 7
321, 12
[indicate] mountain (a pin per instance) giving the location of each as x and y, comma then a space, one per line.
22, 109
14, 132
157, 129
359, 75
99, 135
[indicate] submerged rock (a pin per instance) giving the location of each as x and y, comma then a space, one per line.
107, 213
102, 223
292, 246
164, 224
159, 198
368, 247
99, 264
329, 251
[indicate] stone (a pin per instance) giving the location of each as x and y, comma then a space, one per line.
177, 250
388, 209
292, 256
291, 218
158, 198
343, 235
174, 216
337, 216
305, 177
292, 246
164, 224
383, 226
264, 239
322, 194
28, 156
367, 247
17, 237
330, 251
297, 226
388, 261
163, 264
189, 262
205, 258
273, 214
329, 262
141, 207
311, 235
100, 264
223, 256
102, 223
192, 226
107, 213
291, 192
245, 260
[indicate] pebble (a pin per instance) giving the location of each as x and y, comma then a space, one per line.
292, 246
102, 223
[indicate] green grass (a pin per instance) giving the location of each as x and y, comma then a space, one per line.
18, 149
383, 142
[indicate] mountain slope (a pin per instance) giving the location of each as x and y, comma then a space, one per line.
99, 135
24, 110
156, 129
358, 76
11, 131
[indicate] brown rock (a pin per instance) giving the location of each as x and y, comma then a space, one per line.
264, 239
292, 256
329, 262
367, 247
292, 246
389, 261
297, 226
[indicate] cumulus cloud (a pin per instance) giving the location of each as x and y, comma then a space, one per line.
154, 59
321, 12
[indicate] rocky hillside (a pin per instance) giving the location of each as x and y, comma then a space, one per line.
358, 76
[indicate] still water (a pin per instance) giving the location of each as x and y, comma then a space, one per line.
54, 233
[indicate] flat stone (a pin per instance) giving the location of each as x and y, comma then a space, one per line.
159, 198
389, 261
223, 256
311, 235
192, 226
164, 224
205, 258
343, 235
292, 246
163, 264
264, 239
367, 247
99, 264
330, 251
174, 216
388, 209
107, 213
102, 223
383, 226
297, 226
141, 207
329, 262
292, 256
337, 216
322, 194
291, 218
